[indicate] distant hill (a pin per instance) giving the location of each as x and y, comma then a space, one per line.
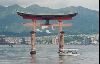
87, 21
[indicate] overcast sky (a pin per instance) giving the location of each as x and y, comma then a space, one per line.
91, 4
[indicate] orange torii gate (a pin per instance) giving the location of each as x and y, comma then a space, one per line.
47, 18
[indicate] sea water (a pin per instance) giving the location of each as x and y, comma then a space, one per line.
47, 54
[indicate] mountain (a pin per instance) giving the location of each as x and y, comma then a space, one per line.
87, 21
2, 8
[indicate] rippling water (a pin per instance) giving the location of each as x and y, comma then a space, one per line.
47, 54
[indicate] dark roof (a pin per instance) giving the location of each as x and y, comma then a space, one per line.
47, 17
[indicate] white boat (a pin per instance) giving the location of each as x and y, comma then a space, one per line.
69, 52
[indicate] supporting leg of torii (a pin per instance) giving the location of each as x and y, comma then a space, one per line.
61, 38
61, 42
33, 39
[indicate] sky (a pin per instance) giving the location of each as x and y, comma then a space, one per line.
91, 4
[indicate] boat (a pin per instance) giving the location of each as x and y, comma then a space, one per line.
69, 52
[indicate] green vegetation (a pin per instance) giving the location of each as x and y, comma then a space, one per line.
87, 21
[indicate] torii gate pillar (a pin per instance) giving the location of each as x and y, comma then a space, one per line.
33, 38
61, 37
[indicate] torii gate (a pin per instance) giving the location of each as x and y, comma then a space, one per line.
47, 18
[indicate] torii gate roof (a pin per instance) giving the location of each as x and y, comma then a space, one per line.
47, 17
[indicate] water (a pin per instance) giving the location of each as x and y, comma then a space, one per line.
47, 54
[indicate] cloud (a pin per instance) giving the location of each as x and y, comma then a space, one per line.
92, 4
25, 3
7, 2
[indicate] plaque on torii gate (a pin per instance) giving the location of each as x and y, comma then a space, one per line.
47, 18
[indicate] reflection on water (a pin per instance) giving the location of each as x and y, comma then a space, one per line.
47, 54
33, 59
61, 59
